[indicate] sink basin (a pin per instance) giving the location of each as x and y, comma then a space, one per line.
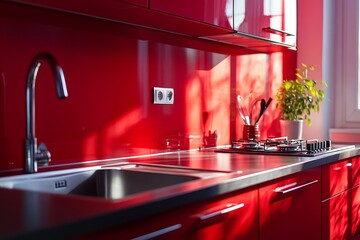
113, 182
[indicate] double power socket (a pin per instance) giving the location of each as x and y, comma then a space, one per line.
163, 95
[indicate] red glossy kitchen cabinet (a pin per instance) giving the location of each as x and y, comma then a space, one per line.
144, 3
214, 12
355, 212
93, 8
341, 199
336, 178
122, 12
341, 215
166, 225
355, 162
232, 216
290, 207
274, 20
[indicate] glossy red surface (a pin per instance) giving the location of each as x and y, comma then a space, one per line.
253, 16
144, 3
297, 213
131, 12
336, 178
215, 12
355, 171
335, 219
110, 69
238, 224
341, 215
340, 212
355, 212
71, 215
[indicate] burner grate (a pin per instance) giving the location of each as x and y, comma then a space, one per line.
282, 145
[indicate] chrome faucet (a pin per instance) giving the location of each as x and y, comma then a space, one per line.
39, 156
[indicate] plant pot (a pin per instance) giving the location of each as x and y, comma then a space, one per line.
291, 128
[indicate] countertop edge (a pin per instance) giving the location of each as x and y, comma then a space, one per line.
233, 182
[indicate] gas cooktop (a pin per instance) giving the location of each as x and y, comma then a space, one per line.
283, 146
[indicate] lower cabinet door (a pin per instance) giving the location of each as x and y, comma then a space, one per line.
290, 207
341, 215
162, 227
229, 216
335, 219
234, 217
355, 212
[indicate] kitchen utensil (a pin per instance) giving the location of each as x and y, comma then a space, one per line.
262, 110
264, 106
250, 105
255, 110
268, 102
242, 109
239, 108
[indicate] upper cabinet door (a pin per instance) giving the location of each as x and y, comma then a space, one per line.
275, 20
214, 12
143, 3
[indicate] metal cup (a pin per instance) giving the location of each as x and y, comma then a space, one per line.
251, 132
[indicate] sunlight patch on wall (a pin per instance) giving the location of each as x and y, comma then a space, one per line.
106, 141
207, 101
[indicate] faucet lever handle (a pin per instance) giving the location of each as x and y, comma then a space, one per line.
43, 156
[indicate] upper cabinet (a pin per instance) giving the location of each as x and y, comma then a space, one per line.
263, 25
143, 3
135, 12
263, 20
214, 12
274, 20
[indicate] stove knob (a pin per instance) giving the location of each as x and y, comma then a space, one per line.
322, 145
308, 147
328, 144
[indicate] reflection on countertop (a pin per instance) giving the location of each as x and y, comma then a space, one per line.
34, 214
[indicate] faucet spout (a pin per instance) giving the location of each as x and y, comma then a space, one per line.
33, 156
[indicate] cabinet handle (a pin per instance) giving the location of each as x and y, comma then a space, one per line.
277, 31
280, 189
230, 208
158, 233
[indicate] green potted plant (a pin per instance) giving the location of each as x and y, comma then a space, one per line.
296, 99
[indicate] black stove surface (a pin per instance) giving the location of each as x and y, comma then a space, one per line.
281, 147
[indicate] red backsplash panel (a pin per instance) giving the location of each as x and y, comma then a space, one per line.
110, 70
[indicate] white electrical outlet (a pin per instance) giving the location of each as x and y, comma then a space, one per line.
163, 95
169, 95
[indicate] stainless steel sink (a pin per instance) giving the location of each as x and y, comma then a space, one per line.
109, 182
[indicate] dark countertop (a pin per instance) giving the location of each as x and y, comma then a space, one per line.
28, 214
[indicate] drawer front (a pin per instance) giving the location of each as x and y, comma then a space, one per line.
355, 208
335, 220
233, 217
340, 215
287, 204
336, 178
355, 171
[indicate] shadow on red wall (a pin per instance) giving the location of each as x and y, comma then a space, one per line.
110, 71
